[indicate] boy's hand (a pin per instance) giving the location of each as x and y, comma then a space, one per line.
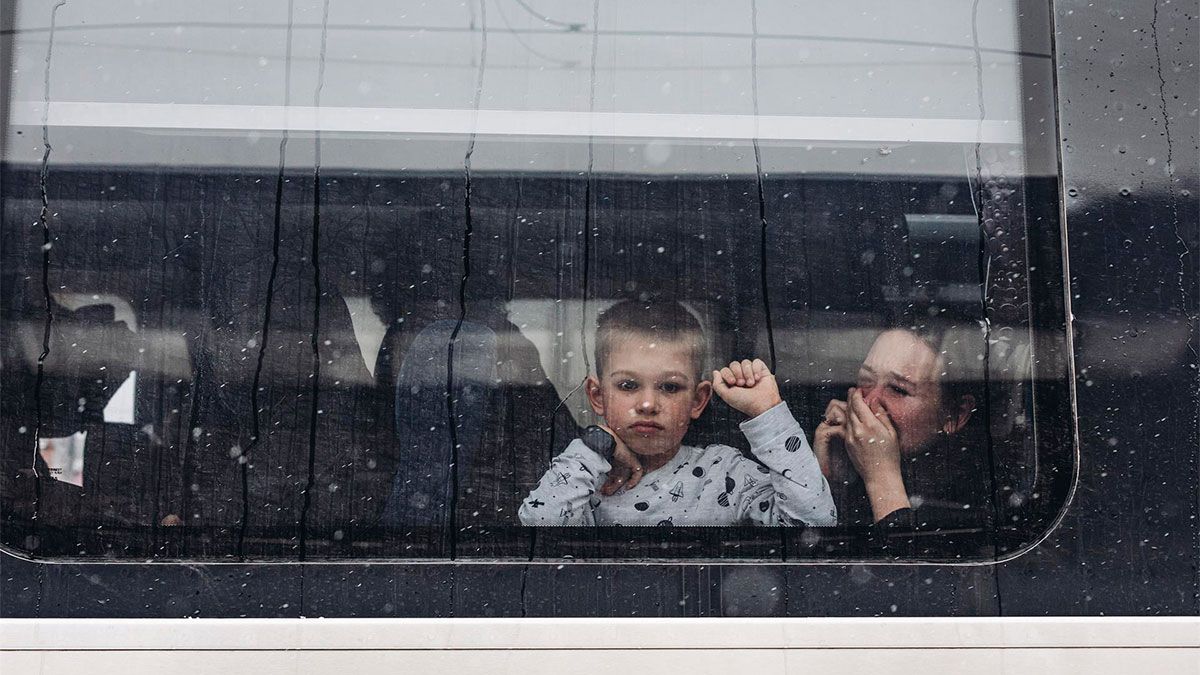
748, 386
626, 469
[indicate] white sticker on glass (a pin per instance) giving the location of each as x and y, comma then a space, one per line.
64, 457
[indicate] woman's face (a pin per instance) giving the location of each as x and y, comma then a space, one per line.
900, 376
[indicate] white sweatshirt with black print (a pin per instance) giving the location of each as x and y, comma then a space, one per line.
709, 486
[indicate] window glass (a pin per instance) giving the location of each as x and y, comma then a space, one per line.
323, 280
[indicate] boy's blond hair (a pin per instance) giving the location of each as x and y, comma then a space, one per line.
657, 320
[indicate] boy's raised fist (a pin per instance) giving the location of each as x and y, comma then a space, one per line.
748, 386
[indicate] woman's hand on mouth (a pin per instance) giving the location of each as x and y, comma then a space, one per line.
874, 447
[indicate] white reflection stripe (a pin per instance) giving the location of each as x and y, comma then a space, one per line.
517, 123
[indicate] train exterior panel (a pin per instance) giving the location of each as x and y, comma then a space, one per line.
1056, 211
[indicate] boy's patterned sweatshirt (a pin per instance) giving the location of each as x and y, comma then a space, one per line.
717, 485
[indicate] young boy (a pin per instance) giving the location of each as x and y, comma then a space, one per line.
635, 471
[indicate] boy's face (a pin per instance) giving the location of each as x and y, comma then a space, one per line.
648, 393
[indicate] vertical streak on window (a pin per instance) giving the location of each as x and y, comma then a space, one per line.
315, 261
758, 176
256, 428
462, 285
985, 268
553, 422
525, 568
588, 217
187, 463
44, 221
762, 219
979, 194
1188, 316
588, 228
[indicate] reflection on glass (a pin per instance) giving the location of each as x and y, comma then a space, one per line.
828, 210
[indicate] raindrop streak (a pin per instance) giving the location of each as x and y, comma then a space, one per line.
188, 461
316, 268
587, 249
554, 415
587, 243
588, 225
462, 286
1189, 316
570, 27
762, 218
984, 274
256, 429
978, 197
525, 569
44, 220
758, 175
528, 47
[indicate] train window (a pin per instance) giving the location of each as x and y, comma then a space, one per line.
607, 280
